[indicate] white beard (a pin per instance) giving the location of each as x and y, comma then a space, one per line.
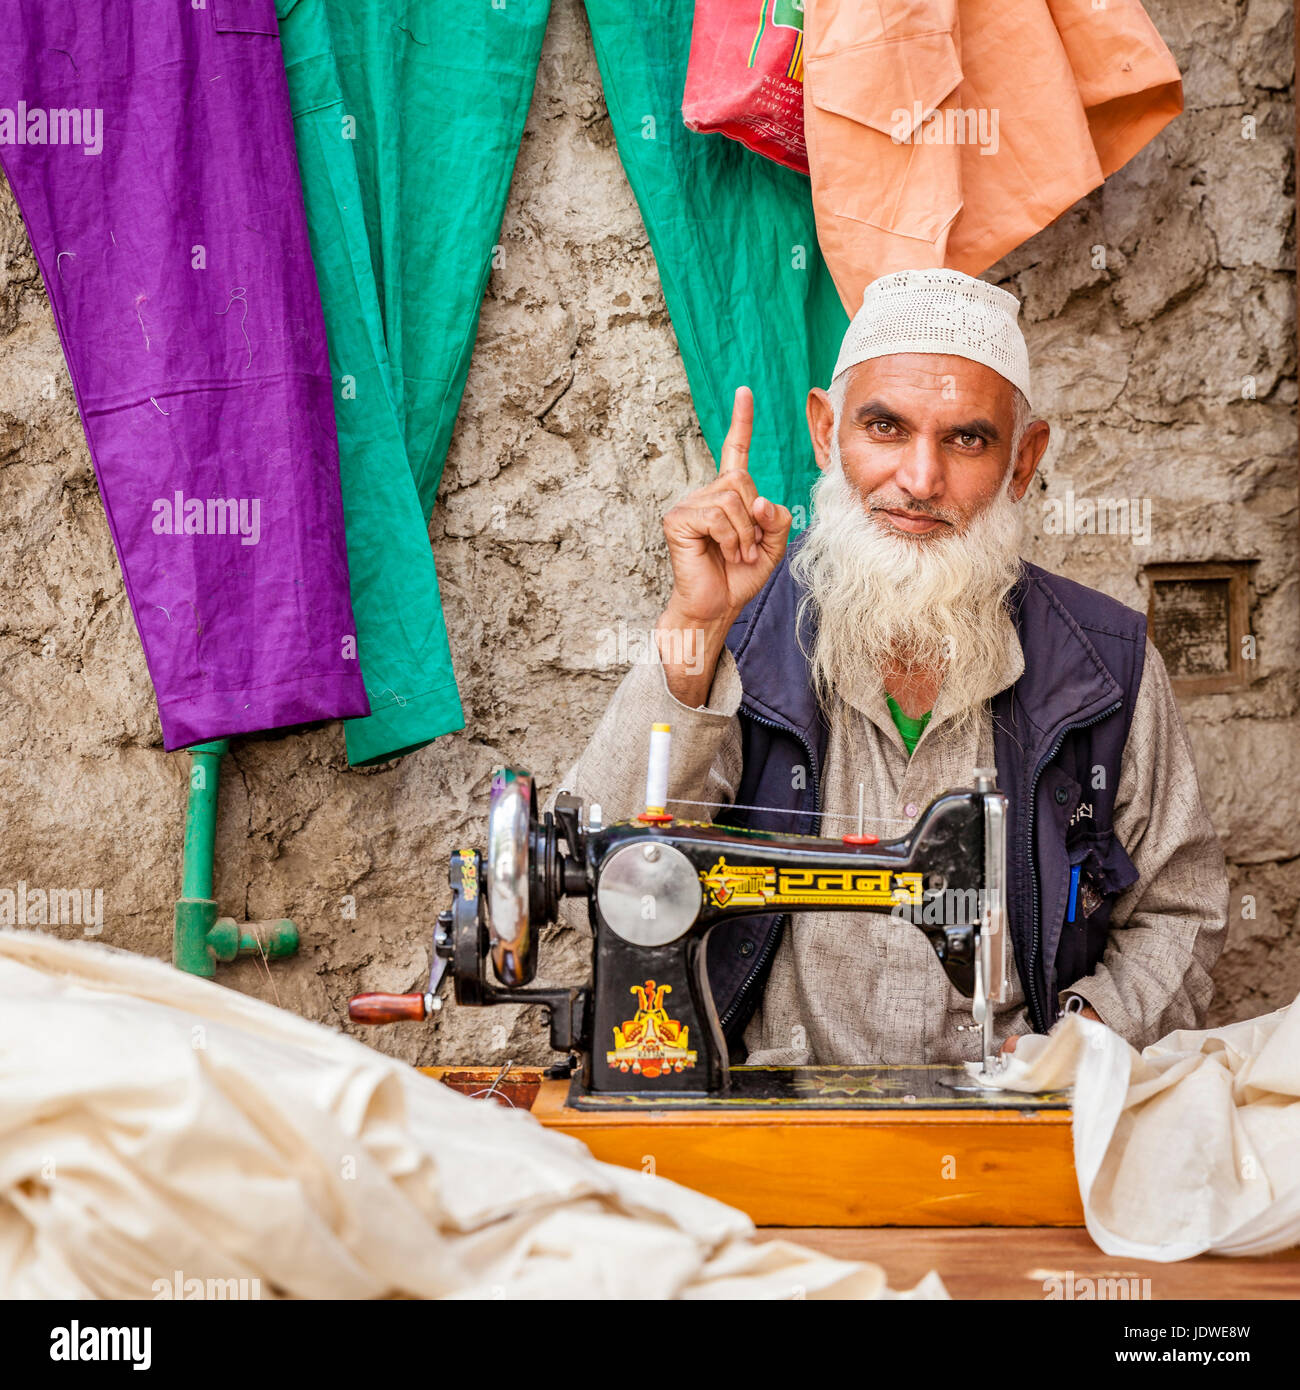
885, 600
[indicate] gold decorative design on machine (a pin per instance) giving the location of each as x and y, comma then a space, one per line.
762, 886
650, 1043
727, 886
468, 876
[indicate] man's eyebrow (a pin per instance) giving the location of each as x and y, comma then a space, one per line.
878, 410
984, 428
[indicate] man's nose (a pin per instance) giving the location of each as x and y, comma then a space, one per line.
920, 471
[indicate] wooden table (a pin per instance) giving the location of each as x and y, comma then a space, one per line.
832, 1167
1018, 1263
987, 1199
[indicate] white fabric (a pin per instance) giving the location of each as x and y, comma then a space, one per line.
154, 1125
938, 311
1191, 1146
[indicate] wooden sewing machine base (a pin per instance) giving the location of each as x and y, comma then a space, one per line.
889, 1157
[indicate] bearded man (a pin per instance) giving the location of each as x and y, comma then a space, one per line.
900, 643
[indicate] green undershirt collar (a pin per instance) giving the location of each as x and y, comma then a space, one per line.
910, 729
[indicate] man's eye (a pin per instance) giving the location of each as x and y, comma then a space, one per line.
970, 441
882, 426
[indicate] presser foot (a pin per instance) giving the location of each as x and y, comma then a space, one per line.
984, 1081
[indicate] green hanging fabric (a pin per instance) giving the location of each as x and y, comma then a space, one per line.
440, 94
391, 428
408, 119
734, 237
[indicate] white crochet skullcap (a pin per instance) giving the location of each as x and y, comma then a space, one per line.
941, 311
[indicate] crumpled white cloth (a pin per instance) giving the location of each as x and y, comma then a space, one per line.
1191, 1146
157, 1127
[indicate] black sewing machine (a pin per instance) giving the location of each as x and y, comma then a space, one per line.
645, 1031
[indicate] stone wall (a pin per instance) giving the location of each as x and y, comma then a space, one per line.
1159, 312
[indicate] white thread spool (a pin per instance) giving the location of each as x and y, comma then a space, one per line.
656, 777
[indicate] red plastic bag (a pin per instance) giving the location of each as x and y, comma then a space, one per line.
745, 76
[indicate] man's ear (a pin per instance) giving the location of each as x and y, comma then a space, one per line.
821, 421
1032, 448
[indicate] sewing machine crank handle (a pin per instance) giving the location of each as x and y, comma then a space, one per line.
567, 1009
461, 940
389, 1008
407, 1008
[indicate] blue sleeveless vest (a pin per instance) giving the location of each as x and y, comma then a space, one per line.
1058, 736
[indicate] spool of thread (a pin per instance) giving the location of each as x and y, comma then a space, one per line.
656, 777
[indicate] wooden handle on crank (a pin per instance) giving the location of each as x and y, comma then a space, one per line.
386, 1008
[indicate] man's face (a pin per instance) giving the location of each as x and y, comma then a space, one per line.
925, 441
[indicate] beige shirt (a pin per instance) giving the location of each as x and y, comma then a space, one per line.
862, 987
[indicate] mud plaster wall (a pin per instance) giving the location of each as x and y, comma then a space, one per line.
576, 433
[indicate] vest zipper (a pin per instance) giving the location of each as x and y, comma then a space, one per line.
764, 956
1036, 1003
774, 937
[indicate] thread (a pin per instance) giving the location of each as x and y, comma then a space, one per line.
240, 293
783, 811
266, 964
491, 1090
656, 777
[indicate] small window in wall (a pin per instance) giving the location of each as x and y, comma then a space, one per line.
1197, 617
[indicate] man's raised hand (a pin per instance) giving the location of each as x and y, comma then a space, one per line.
724, 540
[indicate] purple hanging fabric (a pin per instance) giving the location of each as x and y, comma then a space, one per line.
150, 147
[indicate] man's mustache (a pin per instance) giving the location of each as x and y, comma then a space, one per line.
911, 506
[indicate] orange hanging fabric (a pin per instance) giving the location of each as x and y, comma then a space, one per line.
745, 76
948, 132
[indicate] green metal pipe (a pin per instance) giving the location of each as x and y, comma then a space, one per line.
201, 818
196, 909
229, 938
201, 938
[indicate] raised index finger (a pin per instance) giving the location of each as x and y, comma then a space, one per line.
735, 448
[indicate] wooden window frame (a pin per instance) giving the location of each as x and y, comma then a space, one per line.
1237, 572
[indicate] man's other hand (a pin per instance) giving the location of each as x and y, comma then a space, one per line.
1086, 1012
